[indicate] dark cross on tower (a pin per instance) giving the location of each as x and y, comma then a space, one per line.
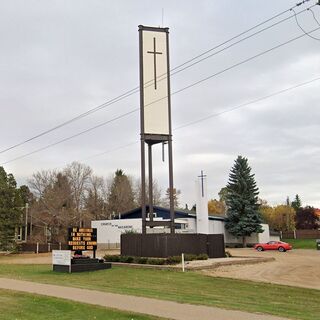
154, 52
202, 176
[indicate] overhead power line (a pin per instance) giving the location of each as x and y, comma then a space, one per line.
248, 103
314, 16
162, 77
175, 70
242, 33
299, 25
217, 114
178, 91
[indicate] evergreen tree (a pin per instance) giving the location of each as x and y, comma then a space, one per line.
296, 203
11, 205
243, 217
120, 196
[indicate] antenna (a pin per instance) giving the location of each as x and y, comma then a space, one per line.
162, 11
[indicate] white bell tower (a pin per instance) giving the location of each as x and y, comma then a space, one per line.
202, 205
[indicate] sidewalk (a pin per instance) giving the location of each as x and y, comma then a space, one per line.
160, 308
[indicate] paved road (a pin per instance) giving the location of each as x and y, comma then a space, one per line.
160, 308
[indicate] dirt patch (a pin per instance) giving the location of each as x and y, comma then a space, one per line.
298, 268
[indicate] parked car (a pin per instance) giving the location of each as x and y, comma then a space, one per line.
273, 245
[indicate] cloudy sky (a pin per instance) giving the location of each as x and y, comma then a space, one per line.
61, 58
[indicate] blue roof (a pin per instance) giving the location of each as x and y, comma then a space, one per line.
164, 213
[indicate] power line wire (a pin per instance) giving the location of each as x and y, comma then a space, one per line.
241, 34
235, 43
178, 91
248, 103
136, 89
314, 16
298, 24
214, 115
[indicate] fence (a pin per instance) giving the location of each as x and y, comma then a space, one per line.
42, 247
301, 234
165, 245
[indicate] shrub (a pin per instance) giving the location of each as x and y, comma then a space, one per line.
228, 254
174, 260
155, 261
111, 258
130, 232
202, 256
141, 260
190, 257
126, 259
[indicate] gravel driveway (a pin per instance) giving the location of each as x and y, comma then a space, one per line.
298, 268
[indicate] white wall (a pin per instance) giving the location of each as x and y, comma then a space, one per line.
216, 227
254, 238
109, 231
265, 235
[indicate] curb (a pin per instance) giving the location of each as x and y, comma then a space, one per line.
188, 267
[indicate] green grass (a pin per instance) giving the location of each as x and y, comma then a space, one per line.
190, 287
22, 306
302, 243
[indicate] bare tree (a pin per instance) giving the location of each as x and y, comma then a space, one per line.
52, 209
157, 193
96, 201
176, 194
79, 177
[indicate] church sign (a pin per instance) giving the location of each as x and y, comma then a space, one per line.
82, 239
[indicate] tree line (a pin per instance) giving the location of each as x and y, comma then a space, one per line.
72, 196
289, 216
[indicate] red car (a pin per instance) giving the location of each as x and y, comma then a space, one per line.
273, 245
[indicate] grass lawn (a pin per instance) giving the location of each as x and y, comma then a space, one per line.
302, 243
22, 306
189, 287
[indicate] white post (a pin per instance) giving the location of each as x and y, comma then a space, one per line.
59, 245
294, 234
49, 246
37, 247
182, 261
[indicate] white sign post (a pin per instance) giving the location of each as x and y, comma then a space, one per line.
62, 258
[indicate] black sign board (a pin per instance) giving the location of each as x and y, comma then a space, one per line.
82, 239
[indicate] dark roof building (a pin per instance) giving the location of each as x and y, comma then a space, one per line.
164, 213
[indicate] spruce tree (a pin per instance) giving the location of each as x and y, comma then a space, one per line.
120, 196
10, 210
296, 203
243, 216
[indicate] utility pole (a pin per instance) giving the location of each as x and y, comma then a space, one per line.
26, 227
30, 223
